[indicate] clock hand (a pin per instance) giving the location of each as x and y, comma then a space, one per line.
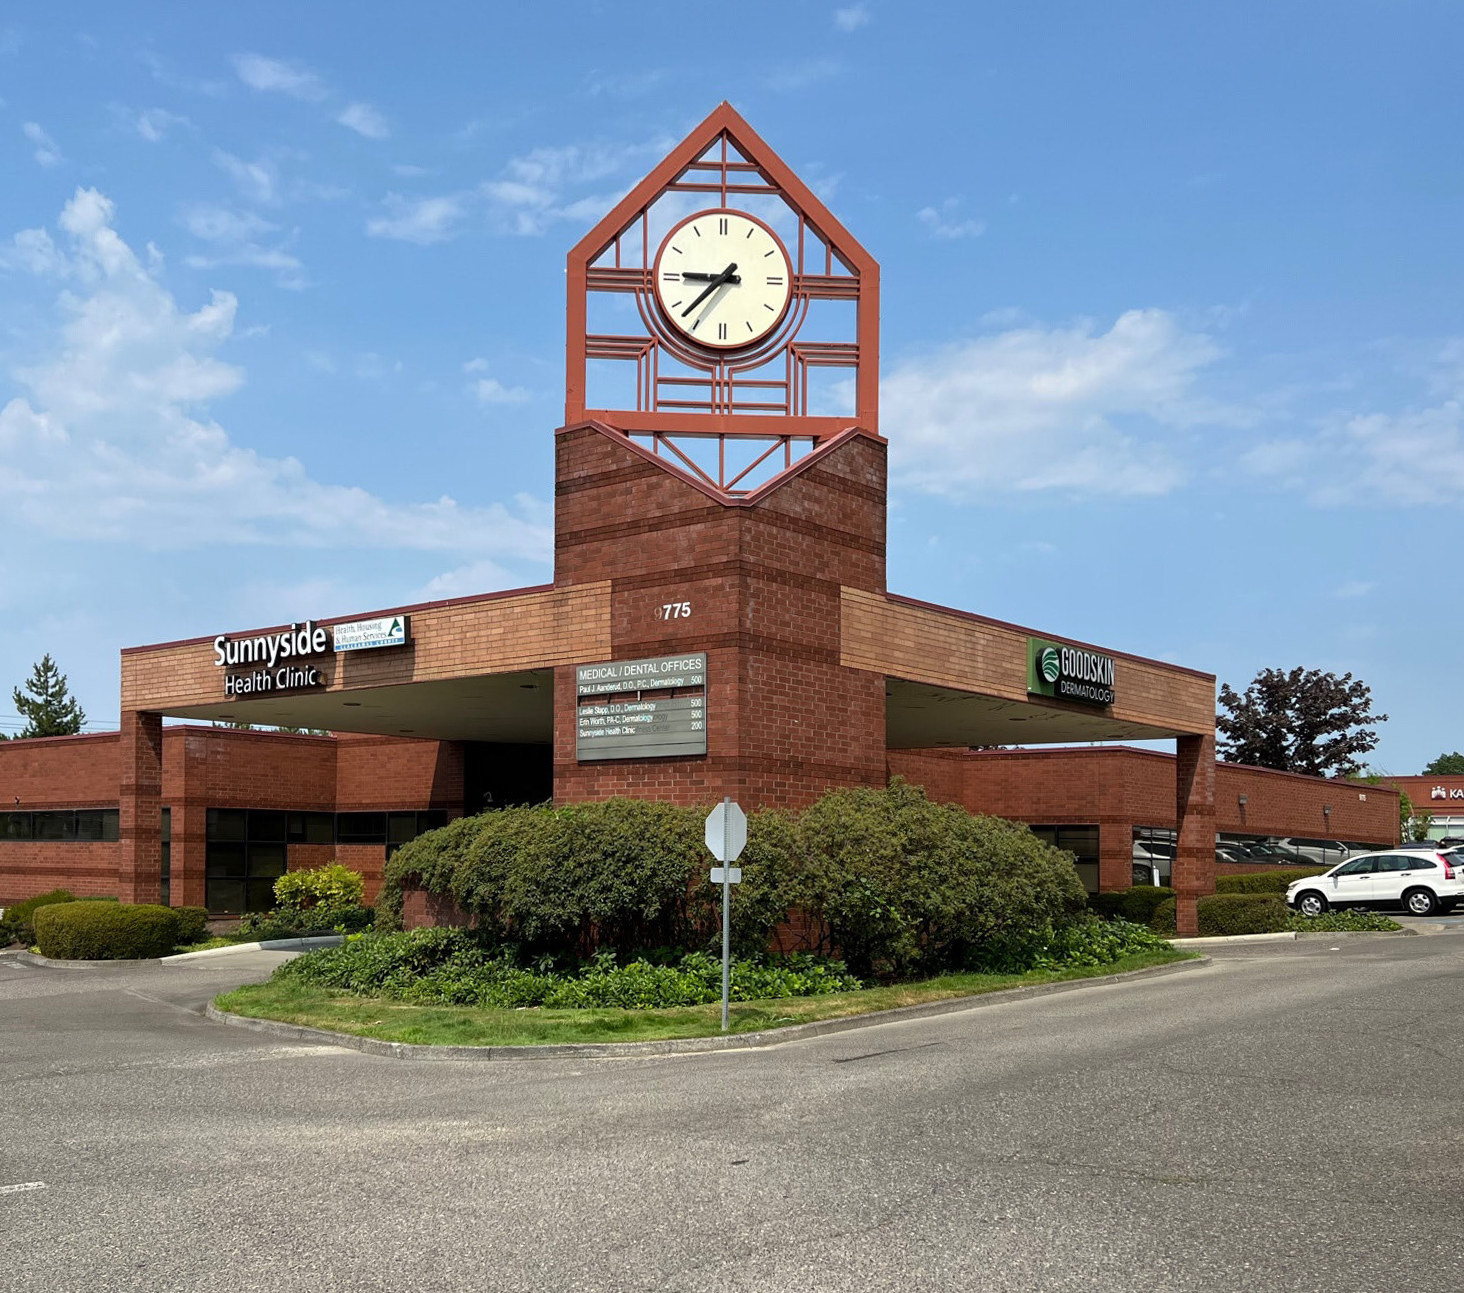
724, 277
691, 276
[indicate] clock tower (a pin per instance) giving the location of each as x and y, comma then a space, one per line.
720, 474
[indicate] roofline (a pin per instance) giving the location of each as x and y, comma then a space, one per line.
363, 615
1037, 633
1220, 764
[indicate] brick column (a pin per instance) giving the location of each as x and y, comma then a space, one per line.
1194, 860
140, 804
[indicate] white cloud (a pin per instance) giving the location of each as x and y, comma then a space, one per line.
47, 153
1415, 457
946, 221
489, 390
420, 220
852, 18
259, 181
235, 238
153, 124
277, 76
1354, 588
364, 120
112, 439
1031, 409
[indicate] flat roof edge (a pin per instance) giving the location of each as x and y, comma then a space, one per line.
360, 615
1037, 633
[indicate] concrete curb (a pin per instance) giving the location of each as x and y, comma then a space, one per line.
269, 945
688, 1045
1286, 936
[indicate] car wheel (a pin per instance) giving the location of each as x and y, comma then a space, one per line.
1420, 902
1311, 903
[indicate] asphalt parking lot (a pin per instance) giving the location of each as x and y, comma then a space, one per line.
1286, 1117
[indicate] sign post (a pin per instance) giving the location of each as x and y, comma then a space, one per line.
726, 837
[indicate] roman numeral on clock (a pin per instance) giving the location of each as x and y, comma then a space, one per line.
721, 332
722, 226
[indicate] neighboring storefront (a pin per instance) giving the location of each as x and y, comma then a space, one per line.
1438, 804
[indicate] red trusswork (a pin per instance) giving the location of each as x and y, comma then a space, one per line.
754, 403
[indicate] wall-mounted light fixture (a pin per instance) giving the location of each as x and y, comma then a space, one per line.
1326, 810
1242, 801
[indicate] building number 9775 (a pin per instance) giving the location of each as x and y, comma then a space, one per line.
674, 611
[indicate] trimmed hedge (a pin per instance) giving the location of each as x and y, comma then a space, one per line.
1136, 905
894, 882
1224, 914
103, 931
1266, 881
192, 924
18, 926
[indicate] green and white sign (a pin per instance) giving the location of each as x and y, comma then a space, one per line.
365, 635
1069, 673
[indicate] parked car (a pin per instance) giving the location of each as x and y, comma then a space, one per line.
1317, 852
1281, 854
1420, 881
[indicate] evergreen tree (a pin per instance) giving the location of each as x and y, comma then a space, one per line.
49, 710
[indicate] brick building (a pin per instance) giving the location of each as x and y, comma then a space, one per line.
719, 558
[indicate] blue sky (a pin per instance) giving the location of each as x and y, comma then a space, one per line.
1173, 328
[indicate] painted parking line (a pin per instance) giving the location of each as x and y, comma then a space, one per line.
23, 1186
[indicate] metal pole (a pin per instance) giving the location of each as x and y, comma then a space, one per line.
726, 910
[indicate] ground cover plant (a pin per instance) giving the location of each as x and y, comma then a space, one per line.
1343, 922
390, 1019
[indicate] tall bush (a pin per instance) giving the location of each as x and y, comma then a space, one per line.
887, 878
18, 925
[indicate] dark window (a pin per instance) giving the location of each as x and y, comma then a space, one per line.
1422, 864
15, 826
89, 824
312, 828
266, 826
1358, 866
361, 828
54, 826
1081, 842
401, 827
227, 823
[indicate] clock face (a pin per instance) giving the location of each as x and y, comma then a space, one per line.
723, 279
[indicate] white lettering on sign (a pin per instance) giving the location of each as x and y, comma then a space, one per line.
270, 648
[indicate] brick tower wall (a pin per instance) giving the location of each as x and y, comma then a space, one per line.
785, 721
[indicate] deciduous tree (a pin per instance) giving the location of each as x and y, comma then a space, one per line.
1446, 765
1301, 720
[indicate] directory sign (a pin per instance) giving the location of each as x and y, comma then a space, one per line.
642, 709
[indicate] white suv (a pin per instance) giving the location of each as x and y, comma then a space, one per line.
1421, 881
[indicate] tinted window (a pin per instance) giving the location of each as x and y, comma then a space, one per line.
1395, 862
1358, 866
1422, 864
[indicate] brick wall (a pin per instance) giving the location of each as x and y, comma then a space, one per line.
786, 719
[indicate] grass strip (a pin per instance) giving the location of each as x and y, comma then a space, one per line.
397, 1021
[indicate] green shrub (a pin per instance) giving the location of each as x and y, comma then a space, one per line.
463, 968
18, 926
98, 931
1135, 905
192, 924
891, 880
1163, 917
1087, 942
1224, 914
1265, 881
295, 922
323, 886
905, 885
1341, 922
